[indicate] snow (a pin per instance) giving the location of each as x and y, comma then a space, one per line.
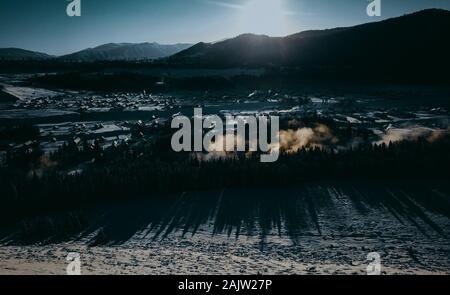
27, 93
335, 241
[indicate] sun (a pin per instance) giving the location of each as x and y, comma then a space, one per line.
267, 17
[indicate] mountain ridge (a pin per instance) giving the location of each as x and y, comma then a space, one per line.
125, 51
104, 52
419, 37
13, 53
411, 44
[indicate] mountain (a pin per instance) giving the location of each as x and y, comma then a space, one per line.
411, 42
22, 54
111, 51
125, 51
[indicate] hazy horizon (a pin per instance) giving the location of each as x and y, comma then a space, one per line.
45, 27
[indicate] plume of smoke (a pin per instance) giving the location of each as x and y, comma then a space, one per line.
292, 141
412, 133
438, 134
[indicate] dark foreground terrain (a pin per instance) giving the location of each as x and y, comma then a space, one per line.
321, 228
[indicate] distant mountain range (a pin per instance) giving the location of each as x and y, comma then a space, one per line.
22, 54
418, 40
414, 45
126, 51
106, 52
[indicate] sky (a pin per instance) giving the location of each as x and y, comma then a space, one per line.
43, 25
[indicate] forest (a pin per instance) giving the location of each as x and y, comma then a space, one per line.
32, 182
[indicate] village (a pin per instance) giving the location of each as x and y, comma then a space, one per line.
109, 119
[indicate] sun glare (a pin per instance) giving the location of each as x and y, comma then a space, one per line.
264, 17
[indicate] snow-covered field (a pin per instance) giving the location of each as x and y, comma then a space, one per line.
204, 254
331, 235
28, 93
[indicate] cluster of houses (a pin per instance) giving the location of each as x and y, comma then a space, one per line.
87, 102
